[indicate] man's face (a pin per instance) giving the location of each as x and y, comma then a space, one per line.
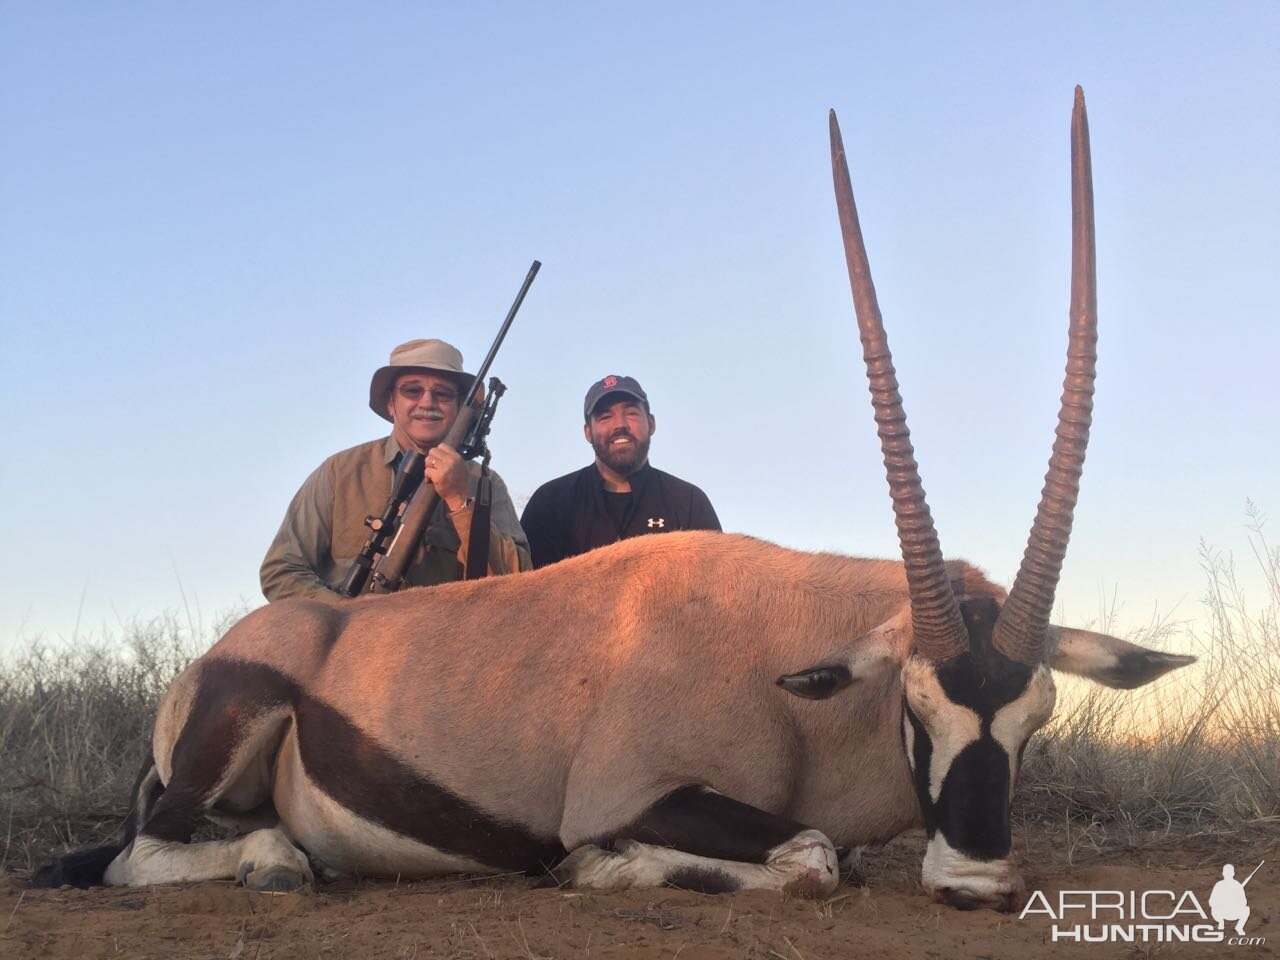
423, 407
619, 432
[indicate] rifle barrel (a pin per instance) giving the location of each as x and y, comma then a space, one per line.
502, 332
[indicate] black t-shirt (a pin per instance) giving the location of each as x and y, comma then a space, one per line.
574, 513
619, 506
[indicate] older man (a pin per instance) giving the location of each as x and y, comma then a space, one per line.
420, 393
619, 495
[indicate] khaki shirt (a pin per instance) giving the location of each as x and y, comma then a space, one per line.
323, 529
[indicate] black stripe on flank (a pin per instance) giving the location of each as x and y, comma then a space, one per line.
230, 695
366, 779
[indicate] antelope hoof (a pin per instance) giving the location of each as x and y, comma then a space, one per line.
580, 862
273, 865
274, 879
809, 864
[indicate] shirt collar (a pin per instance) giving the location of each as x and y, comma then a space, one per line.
390, 450
637, 479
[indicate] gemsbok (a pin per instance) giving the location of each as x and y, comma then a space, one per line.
702, 710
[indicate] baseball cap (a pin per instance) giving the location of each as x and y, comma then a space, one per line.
612, 384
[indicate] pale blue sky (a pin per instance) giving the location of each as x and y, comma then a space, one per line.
216, 220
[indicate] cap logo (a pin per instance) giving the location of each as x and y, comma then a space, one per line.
610, 381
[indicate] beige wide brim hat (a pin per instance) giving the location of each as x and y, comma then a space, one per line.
421, 356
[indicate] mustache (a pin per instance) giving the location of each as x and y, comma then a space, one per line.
430, 413
619, 433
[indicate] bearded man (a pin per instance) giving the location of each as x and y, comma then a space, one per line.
619, 495
420, 392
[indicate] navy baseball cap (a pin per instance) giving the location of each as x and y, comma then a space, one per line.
627, 386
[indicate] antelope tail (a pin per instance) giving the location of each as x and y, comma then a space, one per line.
86, 868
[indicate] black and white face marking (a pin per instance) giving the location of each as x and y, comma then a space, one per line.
966, 722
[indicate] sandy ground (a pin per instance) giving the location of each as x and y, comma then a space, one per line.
888, 916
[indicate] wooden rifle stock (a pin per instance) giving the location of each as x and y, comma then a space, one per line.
409, 476
387, 575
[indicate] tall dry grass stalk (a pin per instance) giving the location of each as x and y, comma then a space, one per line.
1197, 754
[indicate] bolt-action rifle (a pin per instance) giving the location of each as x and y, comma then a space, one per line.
395, 534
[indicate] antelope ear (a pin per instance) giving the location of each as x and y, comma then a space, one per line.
873, 655
1109, 660
817, 683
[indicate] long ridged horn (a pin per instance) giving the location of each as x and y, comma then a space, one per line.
1021, 630
935, 614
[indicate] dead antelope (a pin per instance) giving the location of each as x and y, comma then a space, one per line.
701, 710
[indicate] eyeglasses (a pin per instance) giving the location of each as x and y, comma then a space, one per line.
416, 391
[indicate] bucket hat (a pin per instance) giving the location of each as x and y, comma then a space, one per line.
416, 356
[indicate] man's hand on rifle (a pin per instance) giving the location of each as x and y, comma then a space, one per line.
447, 472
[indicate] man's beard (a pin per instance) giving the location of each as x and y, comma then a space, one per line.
622, 460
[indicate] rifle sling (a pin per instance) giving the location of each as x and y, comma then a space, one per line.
478, 544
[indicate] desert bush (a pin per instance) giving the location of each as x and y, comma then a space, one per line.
75, 725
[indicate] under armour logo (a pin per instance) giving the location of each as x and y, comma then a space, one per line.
659, 523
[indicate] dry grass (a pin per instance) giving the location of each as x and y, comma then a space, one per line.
75, 723
1196, 756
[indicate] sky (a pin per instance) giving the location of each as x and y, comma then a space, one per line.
216, 220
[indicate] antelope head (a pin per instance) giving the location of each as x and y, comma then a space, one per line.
978, 682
